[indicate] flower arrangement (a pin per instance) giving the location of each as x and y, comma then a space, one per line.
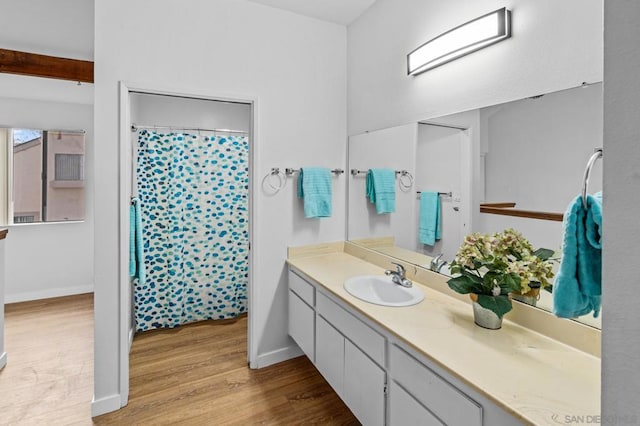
492, 266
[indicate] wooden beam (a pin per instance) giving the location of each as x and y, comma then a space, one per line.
3, 233
23, 63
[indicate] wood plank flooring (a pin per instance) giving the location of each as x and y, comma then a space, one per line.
198, 375
191, 375
48, 379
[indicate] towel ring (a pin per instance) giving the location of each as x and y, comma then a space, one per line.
585, 183
282, 180
405, 181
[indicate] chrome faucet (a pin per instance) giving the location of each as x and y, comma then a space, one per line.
398, 276
437, 263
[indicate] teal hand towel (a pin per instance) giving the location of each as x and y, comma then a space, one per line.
141, 274
314, 187
430, 218
132, 240
577, 288
136, 245
381, 189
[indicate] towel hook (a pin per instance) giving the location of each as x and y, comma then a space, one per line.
405, 181
282, 180
585, 183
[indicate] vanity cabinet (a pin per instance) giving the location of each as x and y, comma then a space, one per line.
380, 378
344, 345
347, 351
428, 389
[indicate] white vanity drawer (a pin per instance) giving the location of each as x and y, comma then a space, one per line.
439, 396
352, 328
301, 288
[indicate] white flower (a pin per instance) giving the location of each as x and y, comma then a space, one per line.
495, 290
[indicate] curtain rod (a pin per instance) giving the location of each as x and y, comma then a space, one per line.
136, 127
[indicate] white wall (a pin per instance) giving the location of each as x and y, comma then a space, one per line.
537, 149
53, 259
621, 325
61, 28
294, 67
555, 45
395, 149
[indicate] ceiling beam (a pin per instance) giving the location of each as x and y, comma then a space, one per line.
23, 63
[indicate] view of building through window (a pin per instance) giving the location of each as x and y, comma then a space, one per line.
48, 175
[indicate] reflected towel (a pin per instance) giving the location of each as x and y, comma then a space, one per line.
578, 285
430, 218
314, 186
381, 189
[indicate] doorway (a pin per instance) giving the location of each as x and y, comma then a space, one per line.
205, 127
439, 155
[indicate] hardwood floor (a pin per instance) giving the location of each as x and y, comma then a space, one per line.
48, 379
193, 375
198, 375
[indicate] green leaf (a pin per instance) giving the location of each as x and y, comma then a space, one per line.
500, 305
464, 285
549, 288
511, 282
473, 277
543, 253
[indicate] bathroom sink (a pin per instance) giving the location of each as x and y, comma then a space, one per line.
380, 290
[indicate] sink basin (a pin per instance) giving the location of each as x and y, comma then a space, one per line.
380, 290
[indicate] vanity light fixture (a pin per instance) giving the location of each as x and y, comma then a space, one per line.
462, 40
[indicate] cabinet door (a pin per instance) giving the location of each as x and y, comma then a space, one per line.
404, 410
364, 385
330, 355
301, 324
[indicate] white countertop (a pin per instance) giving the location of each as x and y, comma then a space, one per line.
534, 377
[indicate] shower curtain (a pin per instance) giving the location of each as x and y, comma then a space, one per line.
193, 192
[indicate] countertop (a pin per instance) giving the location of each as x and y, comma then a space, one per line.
535, 378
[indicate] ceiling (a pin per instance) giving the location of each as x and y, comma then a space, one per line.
341, 12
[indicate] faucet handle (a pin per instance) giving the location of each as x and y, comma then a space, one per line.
399, 268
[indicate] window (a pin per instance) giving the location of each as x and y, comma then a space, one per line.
46, 175
69, 167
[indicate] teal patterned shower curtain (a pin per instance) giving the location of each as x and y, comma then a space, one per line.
193, 193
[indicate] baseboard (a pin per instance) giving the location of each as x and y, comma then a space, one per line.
105, 405
279, 355
3, 360
48, 293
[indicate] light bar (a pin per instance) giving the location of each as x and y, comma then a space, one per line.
462, 40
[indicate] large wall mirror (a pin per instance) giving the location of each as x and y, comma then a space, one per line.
525, 156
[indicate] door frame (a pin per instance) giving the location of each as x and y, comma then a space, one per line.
469, 169
124, 191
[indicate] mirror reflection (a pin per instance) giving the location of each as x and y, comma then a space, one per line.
513, 165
